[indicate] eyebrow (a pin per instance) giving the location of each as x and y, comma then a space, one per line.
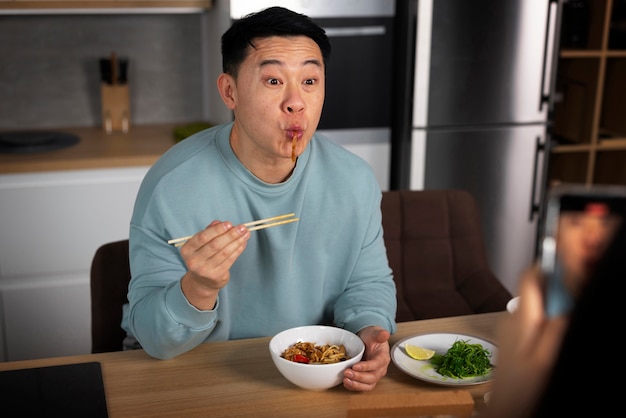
312, 61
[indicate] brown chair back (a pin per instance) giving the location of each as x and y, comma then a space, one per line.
436, 250
110, 275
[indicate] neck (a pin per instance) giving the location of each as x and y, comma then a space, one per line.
269, 170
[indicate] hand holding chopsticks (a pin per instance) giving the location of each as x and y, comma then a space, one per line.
252, 226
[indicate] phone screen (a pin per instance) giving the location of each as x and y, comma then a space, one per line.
580, 226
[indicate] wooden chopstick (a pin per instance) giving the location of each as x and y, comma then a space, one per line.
262, 221
252, 226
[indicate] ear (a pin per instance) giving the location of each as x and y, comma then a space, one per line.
227, 87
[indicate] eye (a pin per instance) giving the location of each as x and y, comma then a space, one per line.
273, 81
310, 81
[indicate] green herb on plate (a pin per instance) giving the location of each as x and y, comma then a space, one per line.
463, 360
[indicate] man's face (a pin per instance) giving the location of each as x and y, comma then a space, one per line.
278, 95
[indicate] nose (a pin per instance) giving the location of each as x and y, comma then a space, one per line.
295, 109
597, 235
294, 102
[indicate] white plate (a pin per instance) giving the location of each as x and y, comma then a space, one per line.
425, 370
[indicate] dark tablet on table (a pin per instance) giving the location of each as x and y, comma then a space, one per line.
72, 390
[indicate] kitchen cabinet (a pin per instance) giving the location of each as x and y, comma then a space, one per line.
51, 224
86, 5
589, 130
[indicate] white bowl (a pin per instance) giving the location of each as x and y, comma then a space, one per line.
315, 376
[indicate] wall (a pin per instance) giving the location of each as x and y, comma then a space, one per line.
49, 71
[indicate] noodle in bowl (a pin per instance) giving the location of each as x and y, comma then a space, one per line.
315, 376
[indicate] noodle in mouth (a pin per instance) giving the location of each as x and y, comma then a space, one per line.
294, 141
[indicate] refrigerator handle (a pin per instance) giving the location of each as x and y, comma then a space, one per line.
550, 54
534, 205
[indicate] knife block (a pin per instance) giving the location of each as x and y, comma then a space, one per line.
115, 107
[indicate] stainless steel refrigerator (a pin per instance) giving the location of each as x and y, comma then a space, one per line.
474, 92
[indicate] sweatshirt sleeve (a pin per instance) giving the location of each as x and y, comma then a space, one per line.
159, 315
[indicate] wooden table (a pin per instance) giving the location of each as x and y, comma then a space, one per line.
237, 378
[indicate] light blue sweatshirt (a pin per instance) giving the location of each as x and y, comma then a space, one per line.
330, 267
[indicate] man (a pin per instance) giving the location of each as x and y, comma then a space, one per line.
227, 282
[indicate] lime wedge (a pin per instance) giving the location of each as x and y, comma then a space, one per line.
418, 353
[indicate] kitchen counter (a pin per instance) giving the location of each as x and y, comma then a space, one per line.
141, 146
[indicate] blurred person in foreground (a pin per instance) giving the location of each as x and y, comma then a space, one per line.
585, 229
227, 282
558, 366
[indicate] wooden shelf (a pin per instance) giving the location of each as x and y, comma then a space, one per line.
586, 53
613, 144
564, 149
590, 120
607, 144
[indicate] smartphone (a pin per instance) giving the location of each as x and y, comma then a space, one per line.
580, 224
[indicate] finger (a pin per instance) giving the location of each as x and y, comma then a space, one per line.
353, 386
219, 252
368, 366
231, 252
218, 237
200, 238
213, 231
375, 363
362, 382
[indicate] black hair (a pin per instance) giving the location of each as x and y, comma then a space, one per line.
273, 21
